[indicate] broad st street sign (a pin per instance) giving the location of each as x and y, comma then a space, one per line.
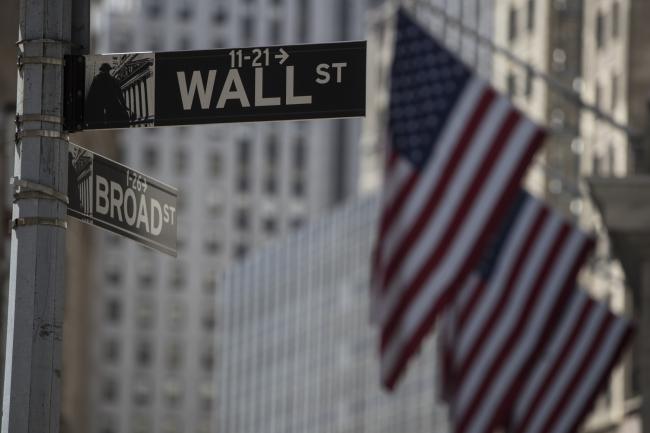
216, 86
117, 198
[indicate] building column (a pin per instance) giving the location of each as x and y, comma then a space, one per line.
624, 204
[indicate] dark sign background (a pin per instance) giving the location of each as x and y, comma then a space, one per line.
83, 203
345, 99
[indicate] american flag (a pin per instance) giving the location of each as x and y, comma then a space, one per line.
506, 311
457, 154
582, 352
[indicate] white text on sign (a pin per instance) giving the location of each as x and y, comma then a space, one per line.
127, 205
233, 89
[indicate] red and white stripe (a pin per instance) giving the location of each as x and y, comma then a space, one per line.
503, 323
437, 219
563, 386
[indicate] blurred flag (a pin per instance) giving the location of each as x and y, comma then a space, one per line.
456, 157
504, 314
562, 388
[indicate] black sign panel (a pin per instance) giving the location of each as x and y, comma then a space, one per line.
215, 86
112, 196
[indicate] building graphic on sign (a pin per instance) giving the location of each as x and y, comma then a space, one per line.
119, 90
239, 185
80, 180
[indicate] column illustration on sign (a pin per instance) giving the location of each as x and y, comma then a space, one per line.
80, 182
119, 90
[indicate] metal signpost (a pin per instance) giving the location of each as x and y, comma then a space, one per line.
117, 198
216, 86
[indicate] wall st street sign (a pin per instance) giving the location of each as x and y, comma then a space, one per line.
117, 198
216, 86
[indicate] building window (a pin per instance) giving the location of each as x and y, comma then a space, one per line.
185, 12
174, 356
600, 30
112, 239
211, 244
184, 43
275, 32
240, 251
272, 151
176, 315
206, 396
243, 184
154, 8
270, 184
530, 16
512, 24
145, 314
559, 59
529, 82
209, 319
600, 165
172, 390
109, 389
112, 350
178, 276
298, 187
611, 159
242, 219
297, 222
114, 276
247, 29
616, 17
143, 354
599, 96
150, 157
180, 161
213, 204
299, 154
114, 310
560, 5
141, 423
207, 358
219, 16
270, 225
615, 84
141, 392
214, 162
244, 152
303, 20
243, 160
511, 85
145, 280
155, 44
558, 118
344, 20
210, 282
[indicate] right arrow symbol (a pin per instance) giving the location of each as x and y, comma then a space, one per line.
283, 56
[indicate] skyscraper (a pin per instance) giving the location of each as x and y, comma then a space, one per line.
239, 185
295, 346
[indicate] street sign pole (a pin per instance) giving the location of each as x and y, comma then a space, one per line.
32, 380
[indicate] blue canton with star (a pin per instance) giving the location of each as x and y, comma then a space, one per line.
426, 82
